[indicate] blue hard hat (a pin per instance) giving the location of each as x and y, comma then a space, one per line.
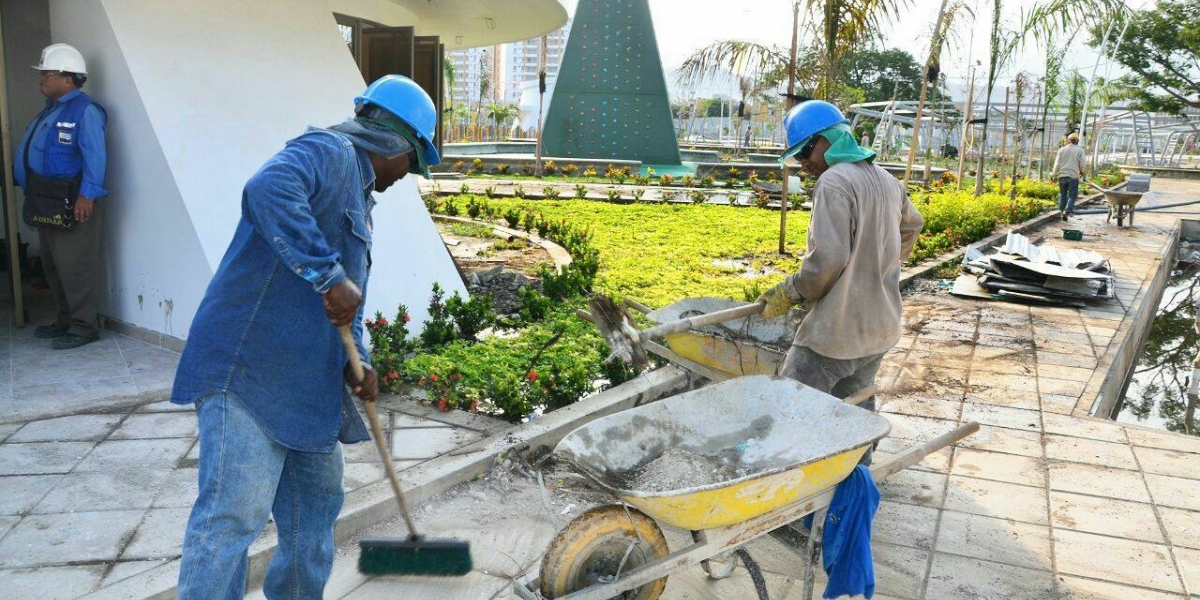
806, 120
404, 99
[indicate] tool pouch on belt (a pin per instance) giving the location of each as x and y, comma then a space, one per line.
49, 201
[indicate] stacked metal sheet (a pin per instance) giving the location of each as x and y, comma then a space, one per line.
1020, 271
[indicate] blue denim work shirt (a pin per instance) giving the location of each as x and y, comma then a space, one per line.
91, 146
261, 334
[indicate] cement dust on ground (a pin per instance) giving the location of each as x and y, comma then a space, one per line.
510, 520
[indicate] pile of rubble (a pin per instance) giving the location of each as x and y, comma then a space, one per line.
1020, 271
504, 287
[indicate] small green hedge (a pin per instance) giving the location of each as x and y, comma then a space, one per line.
956, 218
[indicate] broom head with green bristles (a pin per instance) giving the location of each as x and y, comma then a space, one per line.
414, 555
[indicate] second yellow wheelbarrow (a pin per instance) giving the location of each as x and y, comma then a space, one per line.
757, 453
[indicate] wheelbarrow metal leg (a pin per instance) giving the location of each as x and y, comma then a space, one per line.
812, 558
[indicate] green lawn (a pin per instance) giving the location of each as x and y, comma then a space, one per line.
658, 254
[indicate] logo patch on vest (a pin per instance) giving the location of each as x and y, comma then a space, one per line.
65, 137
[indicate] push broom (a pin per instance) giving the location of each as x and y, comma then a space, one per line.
413, 555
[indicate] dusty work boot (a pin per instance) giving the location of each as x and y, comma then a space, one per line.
71, 340
52, 330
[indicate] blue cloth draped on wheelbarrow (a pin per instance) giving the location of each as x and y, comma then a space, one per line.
847, 538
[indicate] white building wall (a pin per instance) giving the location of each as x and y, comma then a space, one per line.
26, 32
199, 95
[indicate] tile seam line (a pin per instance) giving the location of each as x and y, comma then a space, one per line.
1044, 466
1162, 528
54, 487
941, 509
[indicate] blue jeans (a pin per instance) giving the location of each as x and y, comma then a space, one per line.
1068, 191
245, 476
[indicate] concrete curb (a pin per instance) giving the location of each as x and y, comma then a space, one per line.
1107, 390
374, 504
558, 254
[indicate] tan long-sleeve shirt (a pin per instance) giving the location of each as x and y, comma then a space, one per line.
862, 230
1069, 162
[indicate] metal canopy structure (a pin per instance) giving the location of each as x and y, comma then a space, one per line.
1117, 133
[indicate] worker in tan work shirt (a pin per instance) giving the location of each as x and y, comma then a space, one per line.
863, 228
1068, 170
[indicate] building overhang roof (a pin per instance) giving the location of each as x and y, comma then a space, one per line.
473, 23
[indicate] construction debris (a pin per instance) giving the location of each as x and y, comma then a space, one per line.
1020, 271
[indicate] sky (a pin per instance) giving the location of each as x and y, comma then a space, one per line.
683, 26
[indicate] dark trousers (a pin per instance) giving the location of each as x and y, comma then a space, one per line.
1068, 191
71, 261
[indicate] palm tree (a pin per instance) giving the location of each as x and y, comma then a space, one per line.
838, 27
500, 114
941, 27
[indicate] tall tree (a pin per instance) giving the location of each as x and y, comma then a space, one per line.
1165, 61
837, 28
941, 26
1001, 45
880, 72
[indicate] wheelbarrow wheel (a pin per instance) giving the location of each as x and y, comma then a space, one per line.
590, 551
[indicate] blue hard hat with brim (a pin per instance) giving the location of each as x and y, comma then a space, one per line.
405, 100
806, 120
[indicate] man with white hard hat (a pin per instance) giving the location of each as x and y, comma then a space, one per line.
60, 165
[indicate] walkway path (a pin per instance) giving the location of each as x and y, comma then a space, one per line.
102, 496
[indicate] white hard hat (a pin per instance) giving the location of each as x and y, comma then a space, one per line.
62, 57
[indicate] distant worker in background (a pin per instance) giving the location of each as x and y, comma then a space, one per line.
863, 228
1068, 170
60, 166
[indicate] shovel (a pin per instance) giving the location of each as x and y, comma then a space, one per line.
627, 342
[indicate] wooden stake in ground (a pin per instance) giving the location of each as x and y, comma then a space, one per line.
962, 144
1004, 138
791, 101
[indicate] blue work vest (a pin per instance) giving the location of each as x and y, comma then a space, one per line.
63, 159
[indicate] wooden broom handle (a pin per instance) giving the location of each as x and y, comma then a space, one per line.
377, 430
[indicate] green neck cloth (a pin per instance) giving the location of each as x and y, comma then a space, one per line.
843, 148
398, 128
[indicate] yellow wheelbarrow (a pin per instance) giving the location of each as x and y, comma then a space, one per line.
1120, 204
746, 456
748, 345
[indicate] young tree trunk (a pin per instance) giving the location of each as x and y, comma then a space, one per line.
935, 51
783, 200
962, 144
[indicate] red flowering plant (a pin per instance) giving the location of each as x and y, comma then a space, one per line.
445, 391
389, 347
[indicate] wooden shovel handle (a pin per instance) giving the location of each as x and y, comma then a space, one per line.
351, 352
699, 321
385, 453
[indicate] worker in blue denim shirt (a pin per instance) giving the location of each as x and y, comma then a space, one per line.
66, 141
264, 362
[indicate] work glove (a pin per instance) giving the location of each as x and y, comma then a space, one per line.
777, 301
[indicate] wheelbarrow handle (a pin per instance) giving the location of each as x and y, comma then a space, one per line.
699, 321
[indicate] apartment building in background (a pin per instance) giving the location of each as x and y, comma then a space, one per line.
506, 66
